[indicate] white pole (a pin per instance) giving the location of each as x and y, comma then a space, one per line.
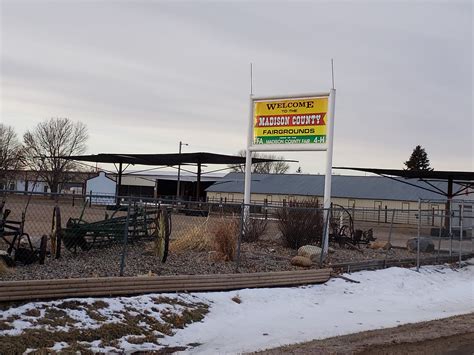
461, 217
327, 179
418, 236
248, 157
179, 174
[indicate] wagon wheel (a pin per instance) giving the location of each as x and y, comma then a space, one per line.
342, 225
162, 235
56, 233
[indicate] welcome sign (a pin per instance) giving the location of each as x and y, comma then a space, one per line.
300, 122
290, 121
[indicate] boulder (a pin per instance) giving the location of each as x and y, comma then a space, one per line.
426, 245
310, 251
148, 274
380, 245
301, 261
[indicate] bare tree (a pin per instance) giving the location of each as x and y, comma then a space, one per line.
11, 153
271, 167
48, 142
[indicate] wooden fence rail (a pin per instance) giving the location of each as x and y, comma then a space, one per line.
407, 262
29, 290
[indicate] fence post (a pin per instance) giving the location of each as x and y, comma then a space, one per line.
386, 211
125, 239
90, 198
418, 238
450, 231
432, 217
328, 215
353, 213
378, 214
59, 232
73, 197
389, 237
265, 208
239, 241
441, 217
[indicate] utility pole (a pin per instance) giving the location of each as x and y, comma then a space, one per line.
179, 170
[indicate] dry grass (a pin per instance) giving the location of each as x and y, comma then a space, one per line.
131, 326
181, 320
225, 239
198, 238
5, 325
34, 312
4, 269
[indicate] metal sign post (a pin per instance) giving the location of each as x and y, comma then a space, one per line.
292, 123
328, 177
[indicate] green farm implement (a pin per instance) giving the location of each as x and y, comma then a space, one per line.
141, 222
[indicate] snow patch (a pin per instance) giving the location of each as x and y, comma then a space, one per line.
268, 318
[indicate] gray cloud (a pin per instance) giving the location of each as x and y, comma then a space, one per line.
144, 75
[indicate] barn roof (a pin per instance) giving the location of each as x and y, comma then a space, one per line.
357, 187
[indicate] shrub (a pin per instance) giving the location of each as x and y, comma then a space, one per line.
254, 228
225, 239
300, 226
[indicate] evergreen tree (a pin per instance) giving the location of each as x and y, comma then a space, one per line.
418, 160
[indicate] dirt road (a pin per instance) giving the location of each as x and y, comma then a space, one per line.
448, 336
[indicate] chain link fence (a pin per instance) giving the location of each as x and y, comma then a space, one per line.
45, 236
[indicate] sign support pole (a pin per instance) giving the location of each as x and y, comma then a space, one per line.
248, 161
328, 178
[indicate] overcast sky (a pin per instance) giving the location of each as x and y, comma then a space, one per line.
143, 75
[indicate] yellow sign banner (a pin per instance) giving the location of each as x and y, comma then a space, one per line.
290, 121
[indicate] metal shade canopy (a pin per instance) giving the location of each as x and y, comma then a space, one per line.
464, 179
167, 159
171, 159
457, 176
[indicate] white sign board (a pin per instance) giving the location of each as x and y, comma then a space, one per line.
292, 123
